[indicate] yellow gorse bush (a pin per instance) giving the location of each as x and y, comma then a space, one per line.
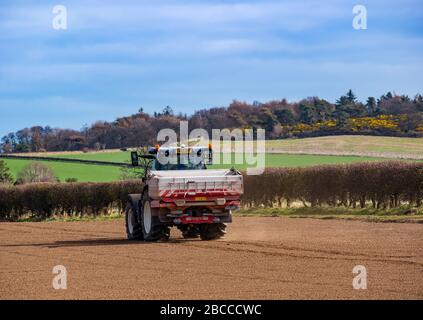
387, 122
382, 122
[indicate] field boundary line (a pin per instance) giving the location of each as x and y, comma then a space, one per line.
53, 159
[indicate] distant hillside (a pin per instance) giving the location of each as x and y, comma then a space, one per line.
363, 146
389, 115
369, 146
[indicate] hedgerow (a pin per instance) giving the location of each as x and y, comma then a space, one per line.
44, 200
378, 184
381, 185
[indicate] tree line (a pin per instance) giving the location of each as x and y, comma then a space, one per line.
393, 114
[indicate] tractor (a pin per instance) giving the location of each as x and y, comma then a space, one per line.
179, 190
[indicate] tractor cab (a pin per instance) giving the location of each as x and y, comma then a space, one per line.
177, 158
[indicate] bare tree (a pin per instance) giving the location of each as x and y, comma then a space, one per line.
36, 172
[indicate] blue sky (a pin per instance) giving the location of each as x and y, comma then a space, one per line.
118, 56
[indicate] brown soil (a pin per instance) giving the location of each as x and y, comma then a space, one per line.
260, 258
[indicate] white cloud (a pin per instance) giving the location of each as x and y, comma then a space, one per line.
290, 15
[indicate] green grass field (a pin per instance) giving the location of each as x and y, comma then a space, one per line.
317, 151
98, 173
272, 159
83, 172
301, 160
115, 156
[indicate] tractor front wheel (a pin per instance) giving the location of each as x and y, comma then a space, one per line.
152, 228
133, 226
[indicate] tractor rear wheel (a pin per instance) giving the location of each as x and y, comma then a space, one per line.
133, 226
213, 231
152, 228
190, 232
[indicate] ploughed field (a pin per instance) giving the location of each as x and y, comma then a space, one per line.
260, 258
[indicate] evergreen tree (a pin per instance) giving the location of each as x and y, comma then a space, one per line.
347, 107
284, 116
168, 111
308, 113
351, 97
5, 176
371, 106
